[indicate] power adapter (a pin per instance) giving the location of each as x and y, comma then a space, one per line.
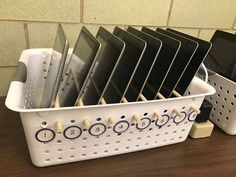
202, 127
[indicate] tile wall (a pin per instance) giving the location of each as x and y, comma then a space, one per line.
32, 24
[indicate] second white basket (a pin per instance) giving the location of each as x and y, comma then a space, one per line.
223, 113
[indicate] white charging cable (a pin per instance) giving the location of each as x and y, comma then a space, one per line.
206, 72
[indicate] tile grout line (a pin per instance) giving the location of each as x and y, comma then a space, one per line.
169, 12
234, 24
36, 21
198, 33
7, 66
139, 25
81, 11
26, 35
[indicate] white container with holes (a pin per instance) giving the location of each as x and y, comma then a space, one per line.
223, 113
110, 128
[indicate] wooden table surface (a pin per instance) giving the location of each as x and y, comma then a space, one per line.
208, 157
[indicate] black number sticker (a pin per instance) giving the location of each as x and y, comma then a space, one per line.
97, 129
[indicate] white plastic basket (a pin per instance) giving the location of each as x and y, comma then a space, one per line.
223, 113
102, 138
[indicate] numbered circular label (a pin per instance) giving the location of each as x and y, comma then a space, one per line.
121, 126
72, 132
45, 135
178, 119
162, 120
97, 129
192, 115
144, 123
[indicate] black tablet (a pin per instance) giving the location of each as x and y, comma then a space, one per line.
145, 66
54, 69
126, 67
198, 57
222, 56
80, 65
169, 50
111, 50
183, 58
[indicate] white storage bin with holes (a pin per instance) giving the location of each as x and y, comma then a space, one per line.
223, 113
62, 135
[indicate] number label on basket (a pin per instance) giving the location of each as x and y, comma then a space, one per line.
162, 121
144, 123
72, 132
179, 119
192, 115
121, 126
45, 135
97, 129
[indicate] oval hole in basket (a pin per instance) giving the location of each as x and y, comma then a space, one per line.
99, 119
44, 123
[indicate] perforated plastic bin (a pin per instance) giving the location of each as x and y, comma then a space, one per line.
223, 113
101, 139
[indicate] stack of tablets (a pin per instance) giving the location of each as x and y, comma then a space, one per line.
123, 66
